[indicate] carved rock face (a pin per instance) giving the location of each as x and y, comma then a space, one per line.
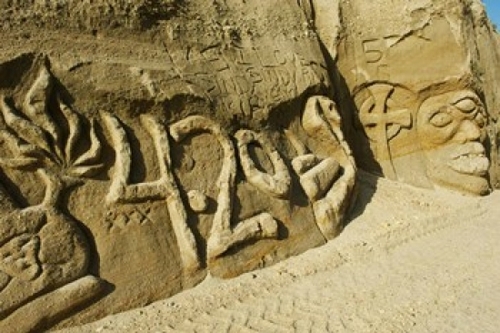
452, 132
162, 141
424, 92
440, 141
178, 140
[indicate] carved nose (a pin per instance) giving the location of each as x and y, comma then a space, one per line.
468, 131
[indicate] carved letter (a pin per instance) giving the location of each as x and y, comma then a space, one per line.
222, 236
277, 185
163, 188
317, 176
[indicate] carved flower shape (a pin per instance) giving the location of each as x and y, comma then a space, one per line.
45, 135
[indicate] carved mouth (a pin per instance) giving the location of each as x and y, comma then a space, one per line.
470, 159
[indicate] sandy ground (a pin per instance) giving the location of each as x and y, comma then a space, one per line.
411, 260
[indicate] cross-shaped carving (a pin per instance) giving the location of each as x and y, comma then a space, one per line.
380, 123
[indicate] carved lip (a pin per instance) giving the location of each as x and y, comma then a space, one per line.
470, 159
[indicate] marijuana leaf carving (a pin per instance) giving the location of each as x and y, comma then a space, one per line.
45, 133
42, 248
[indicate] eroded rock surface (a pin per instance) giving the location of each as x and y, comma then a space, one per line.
424, 81
148, 144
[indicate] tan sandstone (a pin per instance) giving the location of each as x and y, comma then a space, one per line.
150, 145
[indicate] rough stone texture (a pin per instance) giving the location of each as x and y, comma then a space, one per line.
414, 268
424, 80
147, 144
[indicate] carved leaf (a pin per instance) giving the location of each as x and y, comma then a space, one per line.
18, 148
35, 104
94, 152
18, 163
85, 170
4, 280
74, 128
26, 130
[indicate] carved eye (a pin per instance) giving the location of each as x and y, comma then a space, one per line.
441, 119
466, 105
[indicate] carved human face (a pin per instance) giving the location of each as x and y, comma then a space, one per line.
451, 129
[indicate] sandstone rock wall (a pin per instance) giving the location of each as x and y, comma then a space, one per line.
147, 144
397, 59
